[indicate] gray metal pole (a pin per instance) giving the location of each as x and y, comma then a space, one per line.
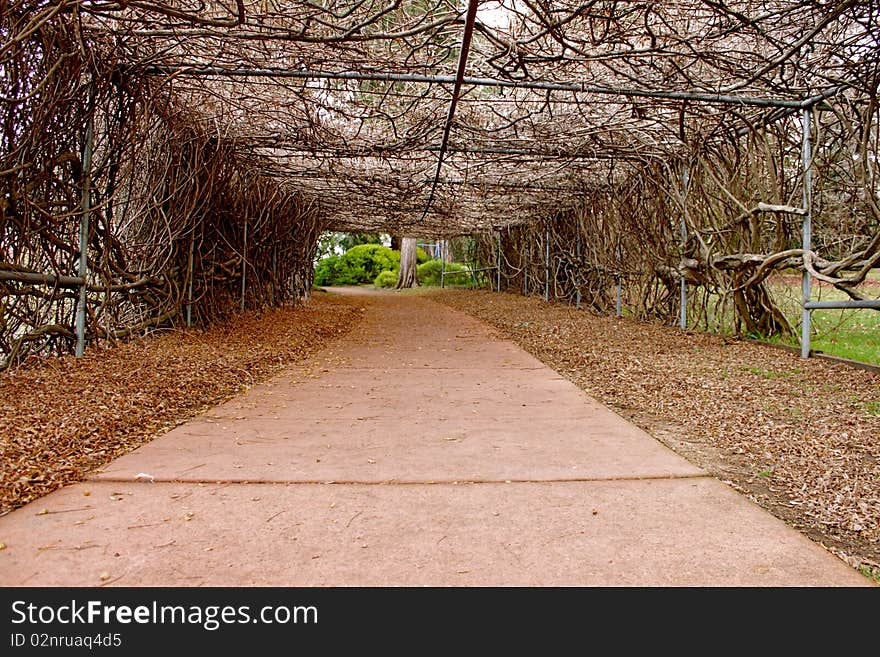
830, 305
198, 70
682, 319
577, 292
474, 265
244, 265
189, 283
86, 207
43, 279
547, 265
807, 234
618, 302
442, 264
498, 264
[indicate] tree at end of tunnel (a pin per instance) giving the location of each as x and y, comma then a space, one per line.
408, 276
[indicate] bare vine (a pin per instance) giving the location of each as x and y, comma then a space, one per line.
227, 135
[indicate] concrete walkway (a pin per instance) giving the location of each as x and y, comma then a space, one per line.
421, 449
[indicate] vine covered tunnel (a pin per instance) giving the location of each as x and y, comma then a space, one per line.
169, 163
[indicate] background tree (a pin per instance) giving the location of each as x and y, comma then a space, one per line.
408, 276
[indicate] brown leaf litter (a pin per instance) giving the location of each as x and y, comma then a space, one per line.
60, 418
801, 438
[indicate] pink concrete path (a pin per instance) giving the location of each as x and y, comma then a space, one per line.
422, 449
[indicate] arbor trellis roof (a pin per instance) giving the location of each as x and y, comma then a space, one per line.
349, 98
227, 135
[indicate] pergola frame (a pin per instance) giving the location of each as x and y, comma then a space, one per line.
350, 112
806, 105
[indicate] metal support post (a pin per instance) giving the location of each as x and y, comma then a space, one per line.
577, 291
618, 301
85, 208
474, 265
442, 264
498, 264
189, 280
547, 265
244, 265
807, 233
682, 319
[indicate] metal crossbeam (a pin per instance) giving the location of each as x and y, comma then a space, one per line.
390, 151
873, 304
196, 70
42, 279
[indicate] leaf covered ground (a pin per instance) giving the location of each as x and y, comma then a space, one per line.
801, 438
60, 418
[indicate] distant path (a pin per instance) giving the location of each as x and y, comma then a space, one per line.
421, 449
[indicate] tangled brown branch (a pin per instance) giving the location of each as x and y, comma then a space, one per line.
229, 134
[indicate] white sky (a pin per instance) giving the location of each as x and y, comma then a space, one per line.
494, 14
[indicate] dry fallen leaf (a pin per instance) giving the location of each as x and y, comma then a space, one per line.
723, 404
127, 406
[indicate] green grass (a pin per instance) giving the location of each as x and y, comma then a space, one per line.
872, 407
456, 275
769, 374
870, 573
853, 334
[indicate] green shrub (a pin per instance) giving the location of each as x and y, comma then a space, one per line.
387, 278
360, 264
327, 271
370, 260
421, 256
429, 273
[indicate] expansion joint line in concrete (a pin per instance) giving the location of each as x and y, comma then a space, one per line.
395, 482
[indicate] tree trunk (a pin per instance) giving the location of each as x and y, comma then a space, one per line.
408, 275
395, 242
